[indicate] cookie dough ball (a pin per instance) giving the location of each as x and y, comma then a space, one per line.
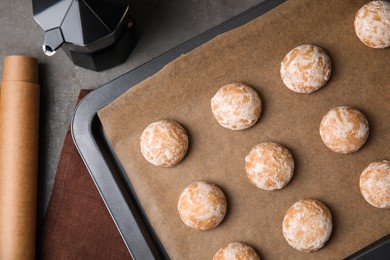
202, 205
236, 106
307, 225
305, 68
269, 166
236, 251
375, 184
372, 24
344, 129
164, 143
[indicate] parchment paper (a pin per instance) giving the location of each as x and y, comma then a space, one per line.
252, 54
19, 125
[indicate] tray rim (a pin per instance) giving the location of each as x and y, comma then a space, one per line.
102, 96
139, 238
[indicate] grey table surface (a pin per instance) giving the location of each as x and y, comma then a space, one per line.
160, 26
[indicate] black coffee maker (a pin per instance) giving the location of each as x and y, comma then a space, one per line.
95, 34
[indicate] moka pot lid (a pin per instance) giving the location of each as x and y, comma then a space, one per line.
84, 25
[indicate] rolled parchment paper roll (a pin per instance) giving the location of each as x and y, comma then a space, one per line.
19, 125
20, 68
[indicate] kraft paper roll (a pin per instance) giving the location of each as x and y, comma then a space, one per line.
19, 125
20, 68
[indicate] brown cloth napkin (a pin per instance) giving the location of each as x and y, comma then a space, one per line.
77, 224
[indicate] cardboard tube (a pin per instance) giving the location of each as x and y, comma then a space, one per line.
20, 68
19, 125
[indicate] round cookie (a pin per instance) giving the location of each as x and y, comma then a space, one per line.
202, 205
375, 184
164, 143
236, 106
344, 129
305, 68
372, 24
269, 166
307, 225
236, 251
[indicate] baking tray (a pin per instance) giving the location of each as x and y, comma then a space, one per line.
107, 172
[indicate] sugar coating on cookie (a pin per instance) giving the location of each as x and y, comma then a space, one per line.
236, 106
375, 184
344, 129
372, 24
305, 68
307, 225
236, 251
269, 166
202, 205
164, 143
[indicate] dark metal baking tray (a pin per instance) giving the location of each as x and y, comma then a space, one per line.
379, 250
100, 160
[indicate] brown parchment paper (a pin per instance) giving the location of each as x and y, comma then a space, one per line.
19, 125
252, 54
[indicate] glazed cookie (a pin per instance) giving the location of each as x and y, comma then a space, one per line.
269, 166
236, 251
344, 129
236, 106
164, 143
305, 68
307, 225
372, 24
375, 184
202, 205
